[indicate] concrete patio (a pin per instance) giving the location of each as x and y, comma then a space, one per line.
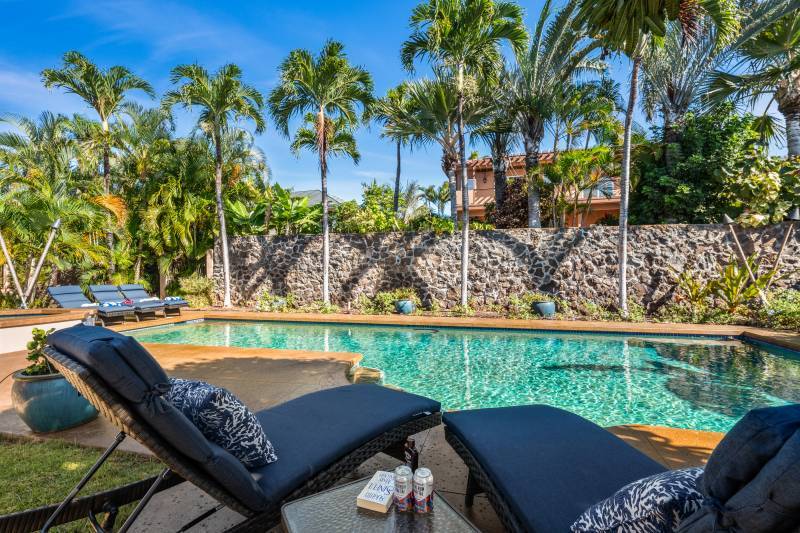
262, 378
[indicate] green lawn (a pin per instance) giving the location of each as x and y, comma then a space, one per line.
37, 473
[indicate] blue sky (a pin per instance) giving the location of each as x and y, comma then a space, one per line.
150, 37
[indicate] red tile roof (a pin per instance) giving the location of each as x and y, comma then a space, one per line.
517, 160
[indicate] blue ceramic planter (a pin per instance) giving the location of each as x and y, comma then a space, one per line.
545, 309
49, 403
405, 307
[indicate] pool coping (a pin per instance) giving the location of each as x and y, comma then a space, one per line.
42, 316
782, 339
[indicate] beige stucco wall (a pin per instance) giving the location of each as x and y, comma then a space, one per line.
16, 338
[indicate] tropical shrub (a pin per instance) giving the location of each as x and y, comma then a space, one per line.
702, 175
733, 287
320, 307
197, 290
383, 302
694, 292
783, 311
463, 310
522, 306
433, 223
272, 303
39, 365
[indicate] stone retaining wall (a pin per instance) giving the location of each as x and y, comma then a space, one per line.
576, 263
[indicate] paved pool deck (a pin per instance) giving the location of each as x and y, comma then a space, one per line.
263, 378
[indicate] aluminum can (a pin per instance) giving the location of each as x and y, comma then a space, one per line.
403, 488
423, 490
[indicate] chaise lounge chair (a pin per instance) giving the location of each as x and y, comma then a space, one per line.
319, 437
542, 467
136, 292
72, 297
110, 294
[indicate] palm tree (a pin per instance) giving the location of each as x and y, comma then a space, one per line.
464, 36
431, 118
677, 72
411, 205
143, 139
223, 99
330, 87
497, 131
767, 64
627, 27
386, 110
176, 209
40, 187
102, 90
559, 51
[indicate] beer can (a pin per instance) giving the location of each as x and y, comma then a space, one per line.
403, 488
423, 490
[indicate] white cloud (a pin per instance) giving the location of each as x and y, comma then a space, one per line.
379, 175
22, 92
168, 29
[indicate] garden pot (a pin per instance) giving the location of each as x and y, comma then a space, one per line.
49, 403
545, 309
405, 307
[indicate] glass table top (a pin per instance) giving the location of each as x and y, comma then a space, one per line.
335, 510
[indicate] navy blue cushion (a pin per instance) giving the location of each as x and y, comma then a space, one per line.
317, 429
119, 360
223, 419
549, 465
153, 305
752, 479
747, 447
657, 503
127, 368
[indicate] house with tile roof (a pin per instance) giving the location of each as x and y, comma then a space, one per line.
593, 205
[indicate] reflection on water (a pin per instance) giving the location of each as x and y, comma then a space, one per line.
679, 382
728, 379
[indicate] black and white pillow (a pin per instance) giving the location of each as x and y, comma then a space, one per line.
223, 419
655, 504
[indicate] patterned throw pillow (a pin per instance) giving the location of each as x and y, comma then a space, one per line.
223, 419
655, 504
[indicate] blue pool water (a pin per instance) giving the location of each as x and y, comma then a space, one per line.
683, 382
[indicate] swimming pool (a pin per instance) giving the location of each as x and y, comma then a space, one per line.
684, 382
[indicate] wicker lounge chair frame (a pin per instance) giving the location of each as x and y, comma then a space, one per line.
179, 467
478, 481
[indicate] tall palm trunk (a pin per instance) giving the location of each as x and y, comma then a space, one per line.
107, 190
531, 167
793, 133
787, 94
464, 191
625, 182
449, 163
163, 279
223, 232
323, 171
396, 198
12, 271
500, 170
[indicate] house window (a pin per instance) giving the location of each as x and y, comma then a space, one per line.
605, 189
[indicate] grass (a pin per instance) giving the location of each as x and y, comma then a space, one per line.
37, 473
